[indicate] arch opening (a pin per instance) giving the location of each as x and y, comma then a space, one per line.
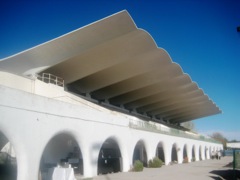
210, 152
193, 154
61, 152
206, 150
185, 156
160, 152
174, 156
109, 158
140, 153
8, 160
200, 153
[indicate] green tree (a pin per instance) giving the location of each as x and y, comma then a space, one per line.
219, 137
189, 125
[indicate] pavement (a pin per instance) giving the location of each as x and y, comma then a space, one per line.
200, 170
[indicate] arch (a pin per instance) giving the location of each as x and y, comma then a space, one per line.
200, 153
210, 152
205, 152
193, 153
64, 151
160, 151
8, 160
110, 157
185, 154
174, 154
140, 153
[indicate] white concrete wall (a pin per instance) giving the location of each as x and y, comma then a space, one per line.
30, 121
16, 82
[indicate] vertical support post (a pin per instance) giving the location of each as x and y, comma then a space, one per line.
234, 164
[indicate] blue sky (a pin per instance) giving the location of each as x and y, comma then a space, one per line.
200, 35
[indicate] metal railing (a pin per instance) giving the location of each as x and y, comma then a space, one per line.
52, 79
158, 128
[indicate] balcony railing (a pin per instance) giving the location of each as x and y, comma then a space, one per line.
158, 128
52, 79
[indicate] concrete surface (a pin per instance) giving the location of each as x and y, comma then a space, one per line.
201, 170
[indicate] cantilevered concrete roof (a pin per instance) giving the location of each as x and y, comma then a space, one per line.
113, 61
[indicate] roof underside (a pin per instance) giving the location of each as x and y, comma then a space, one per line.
115, 62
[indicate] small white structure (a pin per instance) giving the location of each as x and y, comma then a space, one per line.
99, 98
233, 145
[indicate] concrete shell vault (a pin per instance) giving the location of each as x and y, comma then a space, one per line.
115, 62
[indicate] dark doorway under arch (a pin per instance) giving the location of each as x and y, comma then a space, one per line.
210, 152
62, 150
205, 152
174, 158
160, 152
185, 156
193, 154
8, 160
139, 153
200, 153
109, 158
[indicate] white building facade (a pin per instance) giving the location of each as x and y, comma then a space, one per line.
33, 115
46, 125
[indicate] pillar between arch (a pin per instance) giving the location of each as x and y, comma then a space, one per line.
197, 153
90, 152
125, 163
89, 168
189, 153
151, 150
29, 161
180, 154
125, 160
167, 152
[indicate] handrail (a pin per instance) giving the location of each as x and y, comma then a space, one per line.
52, 79
158, 128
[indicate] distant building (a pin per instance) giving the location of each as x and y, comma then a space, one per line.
99, 98
233, 145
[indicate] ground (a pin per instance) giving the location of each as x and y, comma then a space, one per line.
201, 170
